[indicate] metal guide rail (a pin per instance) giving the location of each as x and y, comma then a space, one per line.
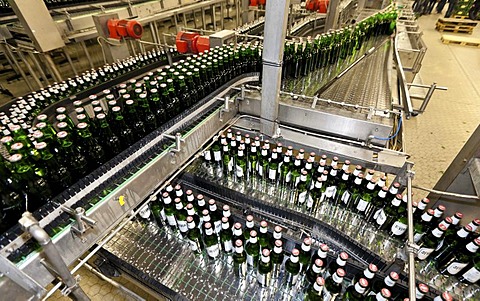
115, 188
163, 261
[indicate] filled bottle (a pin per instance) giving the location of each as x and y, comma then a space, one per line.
264, 271
240, 260
292, 270
314, 292
333, 285
356, 291
211, 242
253, 250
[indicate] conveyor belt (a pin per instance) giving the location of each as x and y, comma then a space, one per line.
366, 83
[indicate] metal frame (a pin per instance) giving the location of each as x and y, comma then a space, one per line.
109, 212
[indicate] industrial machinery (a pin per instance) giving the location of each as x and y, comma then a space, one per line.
98, 215
119, 29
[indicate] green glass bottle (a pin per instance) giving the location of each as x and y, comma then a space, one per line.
471, 273
456, 261
277, 258
264, 272
156, 206
240, 166
121, 129
314, 292
340, 262
240, 260
216, 216
158, 107
210, 240
322, 253
110, 141
57, 175
357, 291
146, 115
92, 149
227, 160
249, 226
253, 250
388, 282
292, 270
37, 188
428, 243
383, 295
263, 236
133, 119
71, 154
316, 270
238, 233
181, 217
421, 227
301, 191
169, 209
226, 236
333, 285
194, 236
252, 162
305, 254
386, 217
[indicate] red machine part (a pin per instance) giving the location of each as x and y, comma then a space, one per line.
191, 42
119, 29
317, 5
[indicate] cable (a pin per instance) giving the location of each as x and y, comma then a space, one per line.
394, 135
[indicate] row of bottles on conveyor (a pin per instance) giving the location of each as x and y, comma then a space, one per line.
323, 187
308, 55
256, 252
40, 161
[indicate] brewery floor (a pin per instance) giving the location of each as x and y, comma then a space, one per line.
432, 139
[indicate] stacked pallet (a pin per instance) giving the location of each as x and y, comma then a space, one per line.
455, 25
463, 41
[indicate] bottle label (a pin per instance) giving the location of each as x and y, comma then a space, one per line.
375, 215
193, 246
472, 275
297, 180
423, 253
398, 228
182, 226
207, 155
217, 156
260, 170
288, 177
382, 217
213, 251
171, 220
162, 214
239, 171
302, 197
362, 205
228, 246
330, 191
218, 226
345, 197
272, 174
230, 165
455, 267
440, 245
417, 237
309, 202
145, 212
250, 260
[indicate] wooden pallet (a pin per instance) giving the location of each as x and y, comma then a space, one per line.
457, 22
455, 29
463, 41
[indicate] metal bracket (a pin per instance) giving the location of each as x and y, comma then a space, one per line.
82, 222
178, 140
67, 290
431, 88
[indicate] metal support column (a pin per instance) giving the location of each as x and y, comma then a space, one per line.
332, 15
53, 69
222, 15
9, 53
204, 22
244, 10
30, 224
87, 54
411, 252
153, 32
214, 20
276, 19
65, 50
30, 69
39, 67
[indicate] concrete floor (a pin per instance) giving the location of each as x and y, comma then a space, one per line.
433, 139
